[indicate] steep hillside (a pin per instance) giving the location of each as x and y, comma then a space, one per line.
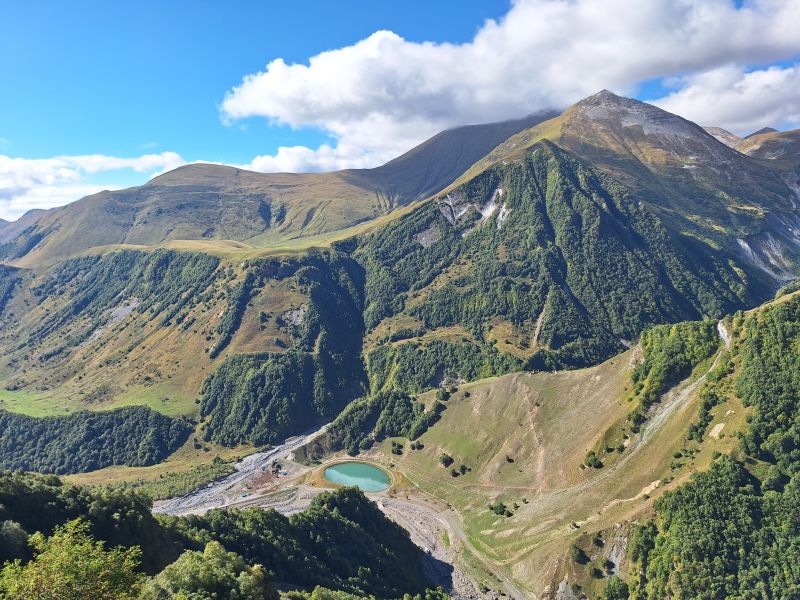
726, 137
698, 186
214, 202
168, 328
533, 464
544, 259
743, 510
11, 229
550, 473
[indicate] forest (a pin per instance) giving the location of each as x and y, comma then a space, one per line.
263, 398
136, 436
733, 531
575, 248
50, 531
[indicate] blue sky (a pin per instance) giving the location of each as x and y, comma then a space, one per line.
120, 78
103, 95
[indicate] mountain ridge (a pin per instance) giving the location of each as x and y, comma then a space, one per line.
208, 201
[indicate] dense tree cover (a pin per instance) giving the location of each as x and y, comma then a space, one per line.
8, 281
238, 297
22, 243
70, 565
575, 247
728, 534
341, 542
85, 441
374, 418
43, 502
416, 367
616, 589
769, 381
263, 398
671, 352
209, 575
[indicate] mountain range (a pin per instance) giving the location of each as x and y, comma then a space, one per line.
215, 308
216, 202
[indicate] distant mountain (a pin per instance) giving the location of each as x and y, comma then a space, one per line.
11, 229
761, 131
779, 150
204, 201
726, 137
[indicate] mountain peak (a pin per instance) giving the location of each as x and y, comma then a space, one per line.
603, 97
762, 130
604, 93
617, 111
723, 135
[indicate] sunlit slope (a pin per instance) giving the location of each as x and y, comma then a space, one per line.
548, 259
217, 202
779, 150
524, 439
128, 328
527, 441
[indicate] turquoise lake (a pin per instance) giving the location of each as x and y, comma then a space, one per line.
366, 477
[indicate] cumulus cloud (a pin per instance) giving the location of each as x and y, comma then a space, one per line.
383, 94
739, 100
44, 183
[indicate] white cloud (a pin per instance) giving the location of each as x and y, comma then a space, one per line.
383, 94
300, 159
44, 183
739, 100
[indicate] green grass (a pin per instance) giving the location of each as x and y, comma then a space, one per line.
545, 423
35, 405
163, 398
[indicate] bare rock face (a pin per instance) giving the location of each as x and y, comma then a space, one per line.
565, 592
465, 214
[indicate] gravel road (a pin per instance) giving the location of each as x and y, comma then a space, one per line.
226, 491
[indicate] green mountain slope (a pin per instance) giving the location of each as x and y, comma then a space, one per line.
214, 202
743, 511
671, 467
342, 541
556, 251
553, 258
